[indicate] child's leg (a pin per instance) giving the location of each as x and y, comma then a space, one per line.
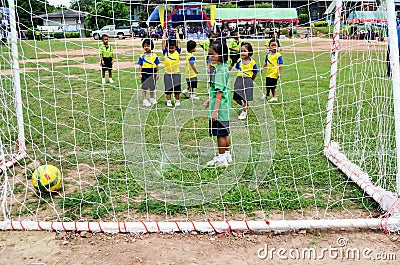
177, 96
152, 94
274, 92
245, 104
103, 73
223, 144
268, 90
144, 94
168, 96
239, 101
109, 73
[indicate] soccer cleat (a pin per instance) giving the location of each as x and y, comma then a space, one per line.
111, 81
228, 158
272, 100
186, 93
169, 104
242, 116
177, 103
222, 162
264, 97
193, 96
153, 101
213, 162
146, 103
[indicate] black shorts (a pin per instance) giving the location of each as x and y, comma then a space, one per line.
107, 63
271, 82
219, 128
234, 58
191, 82
172, 83
149, 79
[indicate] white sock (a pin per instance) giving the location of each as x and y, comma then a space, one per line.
103, 80
227, 153
168, 101
221, 156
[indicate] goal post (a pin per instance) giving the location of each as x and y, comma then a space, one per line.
9, 146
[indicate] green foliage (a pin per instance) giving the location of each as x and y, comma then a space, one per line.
262, 5
86, 32
320, 24
325, 31
25, 9
107, 13
228, 5
303, 19
58, 35
82, 5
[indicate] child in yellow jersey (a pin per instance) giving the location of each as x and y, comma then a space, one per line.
191, 71
234, 49
244, 85
107, 60
148, 67
172, 76
273, 62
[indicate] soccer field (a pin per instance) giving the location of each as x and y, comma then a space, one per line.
121, 160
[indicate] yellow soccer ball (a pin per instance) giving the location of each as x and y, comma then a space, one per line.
47, 178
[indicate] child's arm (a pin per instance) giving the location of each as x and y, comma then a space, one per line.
262, 67
112, 59
140, 71
178, 41
279, 70
157, 76
164, 40
214, 115
193, 66
255, 72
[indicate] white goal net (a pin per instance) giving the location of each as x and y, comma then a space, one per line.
134, 159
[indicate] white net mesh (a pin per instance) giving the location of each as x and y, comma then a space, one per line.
121, 160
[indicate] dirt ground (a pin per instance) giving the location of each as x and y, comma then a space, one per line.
331, 247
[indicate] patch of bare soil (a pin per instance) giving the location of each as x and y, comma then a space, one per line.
331, 247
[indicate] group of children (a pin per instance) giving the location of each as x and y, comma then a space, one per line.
219, 101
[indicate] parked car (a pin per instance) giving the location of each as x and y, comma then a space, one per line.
112, 31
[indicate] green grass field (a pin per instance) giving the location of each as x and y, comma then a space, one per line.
80, 127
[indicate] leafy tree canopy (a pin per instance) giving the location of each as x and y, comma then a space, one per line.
81, 5
105, 12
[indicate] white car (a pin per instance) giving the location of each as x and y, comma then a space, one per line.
112, 31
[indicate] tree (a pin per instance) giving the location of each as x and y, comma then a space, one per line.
262, 5
82, 5
105, 12
27, 12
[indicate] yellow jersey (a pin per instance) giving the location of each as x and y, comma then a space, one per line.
190, 60
246, 69
148, 61
273, 61
171, 61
